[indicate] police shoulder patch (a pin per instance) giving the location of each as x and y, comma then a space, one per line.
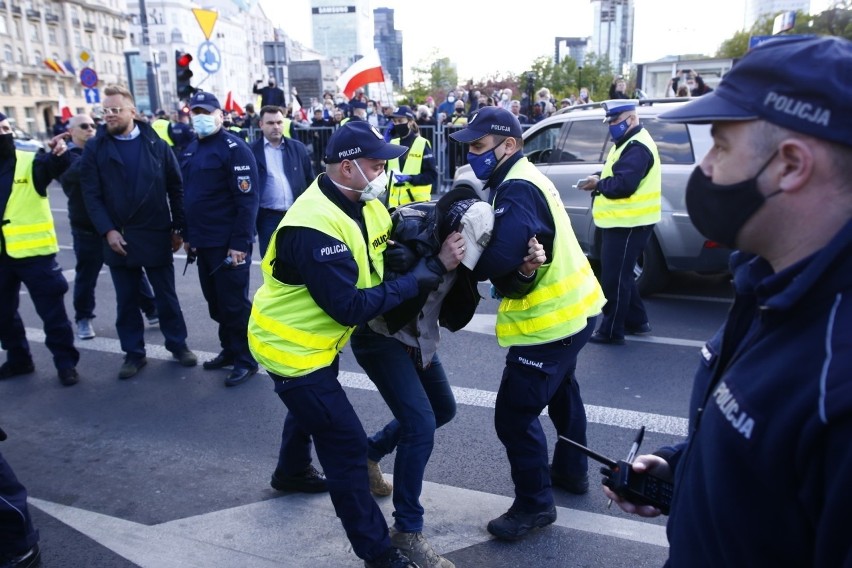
244, 183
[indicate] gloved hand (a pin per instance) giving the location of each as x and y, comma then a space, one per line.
427, 274
399, 179
399, 258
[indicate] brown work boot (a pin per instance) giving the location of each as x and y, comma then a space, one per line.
378, 486
417, 548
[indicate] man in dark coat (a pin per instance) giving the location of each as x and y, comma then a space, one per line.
134, 197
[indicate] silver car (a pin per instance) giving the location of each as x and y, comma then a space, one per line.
574, 142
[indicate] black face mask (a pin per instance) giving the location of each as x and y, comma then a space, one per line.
400, 130
719, 212
7, 146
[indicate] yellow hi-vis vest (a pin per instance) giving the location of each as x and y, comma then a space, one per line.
161, 127
645, 205
407, 192
288, 333
27, 221
285, 128
565, 293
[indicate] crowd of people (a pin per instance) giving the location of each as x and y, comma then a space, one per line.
766, 459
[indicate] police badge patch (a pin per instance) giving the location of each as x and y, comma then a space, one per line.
244, 183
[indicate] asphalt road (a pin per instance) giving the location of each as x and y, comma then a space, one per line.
171, 468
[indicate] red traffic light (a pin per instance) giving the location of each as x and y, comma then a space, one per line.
184, 60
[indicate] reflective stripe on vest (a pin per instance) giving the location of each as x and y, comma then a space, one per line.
407, 192
161, 127
643, 207
27, 221
566, 292
288, 333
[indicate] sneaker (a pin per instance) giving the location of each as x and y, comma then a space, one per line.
513, 525
131, 367
417, 548
378, 486
576, 484
69, 377
185, 357
153, 319
309, 481
392, 558
9, 370
85, 329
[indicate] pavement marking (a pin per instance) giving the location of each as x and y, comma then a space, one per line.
607, 416
249, 536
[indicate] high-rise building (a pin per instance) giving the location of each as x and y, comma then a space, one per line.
757, 9
343, 32
612, 32
388, 41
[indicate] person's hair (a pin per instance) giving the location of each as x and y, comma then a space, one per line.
767, 136
683, 91
113, 90
271, 109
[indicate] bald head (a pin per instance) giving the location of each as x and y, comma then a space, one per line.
82, 128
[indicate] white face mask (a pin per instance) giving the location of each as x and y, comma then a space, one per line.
373, 190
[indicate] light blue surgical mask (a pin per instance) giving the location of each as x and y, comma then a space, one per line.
204, 124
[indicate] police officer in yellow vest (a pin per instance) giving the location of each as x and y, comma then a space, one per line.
544, 329
28, 248
415, 173
161, 127
627, 203
322, 277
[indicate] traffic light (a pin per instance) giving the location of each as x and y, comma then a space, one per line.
183, 75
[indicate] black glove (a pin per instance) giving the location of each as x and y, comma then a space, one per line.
399, 258
428, 274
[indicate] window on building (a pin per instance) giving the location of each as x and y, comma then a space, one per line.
78, 90
11, 113
8, 54
4, 89
42, 87
17, 29
37, 58
60, 86
161, 38
177, 37
78, 42
51, 35
25, 87
105, 43
3, 29
20, 56
35, 34
165, 81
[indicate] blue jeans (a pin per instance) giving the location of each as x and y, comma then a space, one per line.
88, 248
267, 222
421, 400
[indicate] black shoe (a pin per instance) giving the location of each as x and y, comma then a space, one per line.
513, 525
309, 481
28, 559
131, 367
598, 337
69, 376
576, 484
185, 357
392, 558
9, 370
239, 375
643, 329
220, 361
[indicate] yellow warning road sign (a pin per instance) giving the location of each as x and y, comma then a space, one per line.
206, 19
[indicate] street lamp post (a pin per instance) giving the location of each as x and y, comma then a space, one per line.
579, 78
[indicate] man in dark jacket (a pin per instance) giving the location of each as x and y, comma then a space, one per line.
284, 172
134, 196
763, 476
270, 94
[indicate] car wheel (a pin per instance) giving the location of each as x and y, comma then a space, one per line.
651, 272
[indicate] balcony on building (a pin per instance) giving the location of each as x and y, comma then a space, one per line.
51, 18
119, 33
2, 5
16, 10
89, 27
33, 14
75, 21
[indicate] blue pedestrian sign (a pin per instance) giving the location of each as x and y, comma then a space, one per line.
93, 96
209, 57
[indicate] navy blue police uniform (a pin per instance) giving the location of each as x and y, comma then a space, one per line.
19, 545
221, 200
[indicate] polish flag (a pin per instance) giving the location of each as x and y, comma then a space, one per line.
366, 70
232, 106
64, 109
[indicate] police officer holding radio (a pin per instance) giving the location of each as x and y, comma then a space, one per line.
543, 329
28, 248
221, 201
763, 476
322, 277
627, 204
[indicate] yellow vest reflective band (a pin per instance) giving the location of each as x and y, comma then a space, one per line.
408, 193
566, 292
641, 208
288, 333
27, 221
161, 127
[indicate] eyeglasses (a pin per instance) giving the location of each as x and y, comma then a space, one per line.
113, 110
86, 126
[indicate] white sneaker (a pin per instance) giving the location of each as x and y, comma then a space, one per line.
417, 548
85, 329
378, 486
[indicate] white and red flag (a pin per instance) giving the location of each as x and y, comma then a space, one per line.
366, 70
